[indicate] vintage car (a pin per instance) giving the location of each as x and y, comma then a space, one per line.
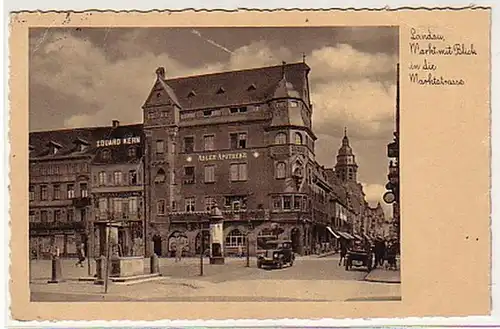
277, 254
360, 254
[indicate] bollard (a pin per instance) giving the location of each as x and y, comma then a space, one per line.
154, 264
56, 270
99, 268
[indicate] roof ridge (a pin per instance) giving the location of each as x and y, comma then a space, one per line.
83, 128
233, 71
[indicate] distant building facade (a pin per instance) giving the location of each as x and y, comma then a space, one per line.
65, 187
118, 190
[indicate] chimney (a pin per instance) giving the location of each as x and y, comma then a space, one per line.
160, 73
115, 123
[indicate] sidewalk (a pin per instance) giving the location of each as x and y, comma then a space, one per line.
384, 276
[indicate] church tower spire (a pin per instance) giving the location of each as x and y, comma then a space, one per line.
346, 167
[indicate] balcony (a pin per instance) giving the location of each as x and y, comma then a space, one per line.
81, 202
57, 225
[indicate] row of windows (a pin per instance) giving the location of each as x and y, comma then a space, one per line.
236, 141
233, 202
59, 169
217, 112
57, 194
290, 202
131, 153
128, 205
238, 172
47, 216
116, 178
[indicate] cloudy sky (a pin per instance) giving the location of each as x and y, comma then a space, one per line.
89, 76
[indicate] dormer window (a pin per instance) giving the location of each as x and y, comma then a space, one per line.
221, 90
191, 94
251, 87
207, 113
81, 144
54, 147
106, 155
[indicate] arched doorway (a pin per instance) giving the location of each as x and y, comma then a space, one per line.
295, 237
157, 245
177, 239
202, 245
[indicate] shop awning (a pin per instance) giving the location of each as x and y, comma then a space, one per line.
357, 237
346, 235
333, 232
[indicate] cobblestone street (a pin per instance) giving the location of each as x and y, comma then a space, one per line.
309, 279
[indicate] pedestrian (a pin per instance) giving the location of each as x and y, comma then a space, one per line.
343, 252
81, 255
240, 250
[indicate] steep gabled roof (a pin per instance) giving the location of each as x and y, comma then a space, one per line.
236, 85
65, 138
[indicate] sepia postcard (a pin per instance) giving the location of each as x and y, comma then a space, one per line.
250, 164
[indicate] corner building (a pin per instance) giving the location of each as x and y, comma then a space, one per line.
241, 140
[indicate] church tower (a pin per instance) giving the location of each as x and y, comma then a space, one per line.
346, 167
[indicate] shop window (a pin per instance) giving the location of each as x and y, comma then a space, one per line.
235, 238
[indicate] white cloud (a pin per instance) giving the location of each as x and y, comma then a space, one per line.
373, 194
117, 89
